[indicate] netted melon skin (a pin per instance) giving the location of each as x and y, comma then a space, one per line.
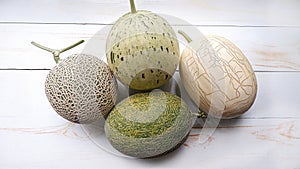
142, 50
140, 126
81, 88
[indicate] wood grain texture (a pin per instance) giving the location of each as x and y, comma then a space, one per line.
200, 12
26, 90
242, 143
33, 136
267, 48
255, 143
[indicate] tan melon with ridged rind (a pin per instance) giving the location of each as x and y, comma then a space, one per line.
81, 88
142, 50
148, 125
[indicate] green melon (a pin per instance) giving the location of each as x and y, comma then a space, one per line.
147, 125
142, 50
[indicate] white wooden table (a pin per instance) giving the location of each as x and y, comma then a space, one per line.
33, 136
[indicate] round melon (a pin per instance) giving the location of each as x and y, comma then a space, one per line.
81, 88
148, 125
142, 50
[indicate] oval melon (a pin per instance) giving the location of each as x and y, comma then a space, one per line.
218, 77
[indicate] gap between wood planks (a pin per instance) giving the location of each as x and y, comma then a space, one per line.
104, 24
46, 69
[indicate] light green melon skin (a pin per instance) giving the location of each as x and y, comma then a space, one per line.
144, 147
142, 50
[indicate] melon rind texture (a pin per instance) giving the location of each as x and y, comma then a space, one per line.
142, 50
81, 88
145, 125
234, 89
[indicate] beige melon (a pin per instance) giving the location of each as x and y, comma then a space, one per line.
81, 88
227, 94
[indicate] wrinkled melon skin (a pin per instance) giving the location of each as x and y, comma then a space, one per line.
148, 125
142, 50
81, 88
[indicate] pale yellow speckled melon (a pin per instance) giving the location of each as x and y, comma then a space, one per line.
142, 50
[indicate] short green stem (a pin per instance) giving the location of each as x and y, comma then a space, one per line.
186, 37
132, 6
201, 114
55, 52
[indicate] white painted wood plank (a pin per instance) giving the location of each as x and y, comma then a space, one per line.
240, 143
34, 136
267, 48
277, 96
203, 12
23, 91
17, 51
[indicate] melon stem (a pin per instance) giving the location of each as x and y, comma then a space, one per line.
42, 47
72, 46
200, 114
186, 37
55, 52
132, 6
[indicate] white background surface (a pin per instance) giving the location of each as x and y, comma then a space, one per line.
33, 136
